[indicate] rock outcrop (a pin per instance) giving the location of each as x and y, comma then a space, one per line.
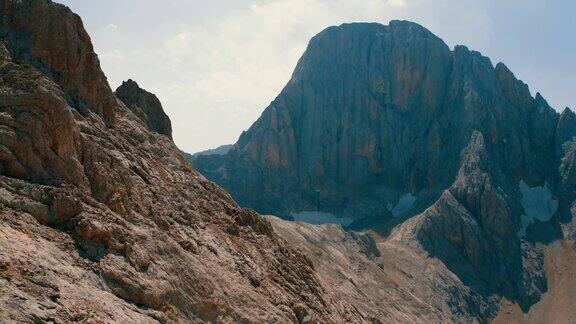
146, 106
473, 228
43, 35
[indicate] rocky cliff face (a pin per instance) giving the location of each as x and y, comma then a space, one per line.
376, 112
375, 116
103, 220
25, 26
473, 228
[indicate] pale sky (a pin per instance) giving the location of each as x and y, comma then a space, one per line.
215, 65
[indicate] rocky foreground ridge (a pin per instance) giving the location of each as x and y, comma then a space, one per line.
103, 220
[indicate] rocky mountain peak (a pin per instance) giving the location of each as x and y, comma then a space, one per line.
567, 111
40, 33
146, 106
348, 47
566, 129
378, 119
110, 224
540, 101
376, 111
516, 90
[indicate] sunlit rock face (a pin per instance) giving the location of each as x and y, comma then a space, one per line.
42, 35
101, 217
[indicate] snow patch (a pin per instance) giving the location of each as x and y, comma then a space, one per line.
538, 203
405, 204
315, 217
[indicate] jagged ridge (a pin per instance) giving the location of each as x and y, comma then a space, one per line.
374, 112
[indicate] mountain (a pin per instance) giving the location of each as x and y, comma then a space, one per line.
103, 220
220, 150
146, 106
375, 116
440, 151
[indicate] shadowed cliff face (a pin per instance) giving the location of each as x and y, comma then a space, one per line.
374, 112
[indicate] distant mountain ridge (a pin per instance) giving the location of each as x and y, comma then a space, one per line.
220, 150
373, 113
434, 147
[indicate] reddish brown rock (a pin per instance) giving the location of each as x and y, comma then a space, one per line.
52, 38
146, 106
40, 140
110, 223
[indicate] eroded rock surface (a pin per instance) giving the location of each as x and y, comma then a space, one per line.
53, 40
106, 221
146, 106
382, 281
103, 220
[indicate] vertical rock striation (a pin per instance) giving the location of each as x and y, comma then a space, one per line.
373, 112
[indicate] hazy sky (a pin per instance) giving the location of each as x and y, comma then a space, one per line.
216, 65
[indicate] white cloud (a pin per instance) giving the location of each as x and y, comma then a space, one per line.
215, 78
113, 55
229, 70
397, 3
